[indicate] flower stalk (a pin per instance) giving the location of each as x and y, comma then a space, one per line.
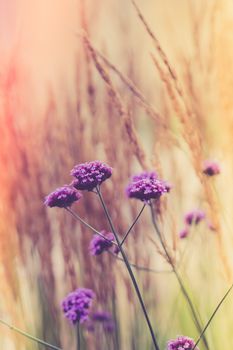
179, 279
134, 222
78, 337
76, 216
212, 316
137, 267
156, 346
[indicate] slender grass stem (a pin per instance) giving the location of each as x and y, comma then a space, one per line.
76, 216
134, 222
29, 336
212, 316
179, 279
156, 346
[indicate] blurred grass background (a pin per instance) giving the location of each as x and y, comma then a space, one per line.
57, 111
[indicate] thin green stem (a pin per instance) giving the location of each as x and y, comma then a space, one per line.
114, 313
29, 336
76, 216
156, 346
134, 222
212, 316
182, 286
78, 337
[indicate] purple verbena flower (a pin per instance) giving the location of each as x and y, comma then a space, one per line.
89, 175
102, 317
194, 217
62, 197
184, 233
76, 305
181, 343
90, 326
98, 244
146, 186
211, 168
109, 326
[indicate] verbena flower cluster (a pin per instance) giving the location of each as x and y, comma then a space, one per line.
101, 317
181, 343
147, 186
98, 244
62, 197
89, 175
76, 305
193, 217
211, 168
184, 233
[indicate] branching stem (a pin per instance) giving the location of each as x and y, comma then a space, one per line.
156, 346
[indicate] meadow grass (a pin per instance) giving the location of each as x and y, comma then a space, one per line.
142, 86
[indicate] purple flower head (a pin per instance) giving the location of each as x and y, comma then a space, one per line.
181, 343
184, 233
194, 217
89, 175
90, 326
146, 186
211, 168
109, 326
102, 317
62, 197
98, 244
76, 305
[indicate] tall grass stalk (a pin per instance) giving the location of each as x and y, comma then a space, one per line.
29, 336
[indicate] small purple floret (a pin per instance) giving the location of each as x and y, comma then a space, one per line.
76, 305
211, 168
62, 197
146, 186
98, 244
194, 217
184, 233
145, 175
181, 343
89, 175
102, 317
